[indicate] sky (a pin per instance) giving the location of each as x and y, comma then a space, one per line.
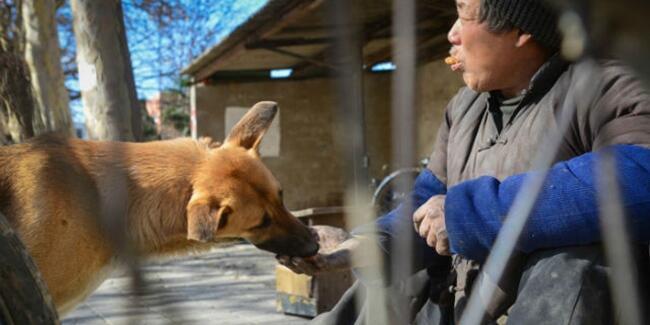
225, 16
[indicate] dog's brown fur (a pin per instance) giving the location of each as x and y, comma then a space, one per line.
64, 196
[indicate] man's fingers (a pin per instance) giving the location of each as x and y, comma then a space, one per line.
303, 265
432, 239
287, 262
283, 259
442, 244
424, 228
296, 264
442, 247
317, 264
418, 215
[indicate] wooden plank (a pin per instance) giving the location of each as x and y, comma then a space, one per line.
317, 211
305, 295
301, 57
296, 284
295, 305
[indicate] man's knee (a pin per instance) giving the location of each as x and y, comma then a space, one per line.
566, 285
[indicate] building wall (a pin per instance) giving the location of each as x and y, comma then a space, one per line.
309, 167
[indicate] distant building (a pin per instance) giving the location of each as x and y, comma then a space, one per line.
167, 109
154, 110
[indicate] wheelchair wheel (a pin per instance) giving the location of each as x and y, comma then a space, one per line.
23, 296
388, 196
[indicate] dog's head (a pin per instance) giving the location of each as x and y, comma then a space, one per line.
235, 195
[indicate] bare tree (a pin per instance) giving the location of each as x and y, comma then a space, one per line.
16, 101
43, 57
105, 73
168, 34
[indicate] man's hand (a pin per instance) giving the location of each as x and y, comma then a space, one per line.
334, 254
429, 221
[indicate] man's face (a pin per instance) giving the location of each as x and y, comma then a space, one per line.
485, 56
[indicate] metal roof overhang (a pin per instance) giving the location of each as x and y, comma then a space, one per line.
298, 34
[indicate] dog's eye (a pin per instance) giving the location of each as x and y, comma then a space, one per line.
266, 221
225, 215
281, 195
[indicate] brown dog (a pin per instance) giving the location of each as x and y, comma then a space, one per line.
172, 197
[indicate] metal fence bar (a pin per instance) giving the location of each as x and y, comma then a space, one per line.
350, 140
620, 32
403, 136
113, 222
618, 251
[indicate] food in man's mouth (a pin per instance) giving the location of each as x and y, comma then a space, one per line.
450, 60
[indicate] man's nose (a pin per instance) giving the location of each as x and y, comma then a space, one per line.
453, 36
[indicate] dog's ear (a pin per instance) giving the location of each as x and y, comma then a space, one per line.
205, 219
249, 130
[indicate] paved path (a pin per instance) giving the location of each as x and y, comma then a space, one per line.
231, 285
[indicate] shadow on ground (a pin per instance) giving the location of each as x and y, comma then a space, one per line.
230, 285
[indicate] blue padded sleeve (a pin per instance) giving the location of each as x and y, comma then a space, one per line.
565, 214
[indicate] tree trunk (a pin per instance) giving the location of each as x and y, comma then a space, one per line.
43, 56
105, 74
16, 102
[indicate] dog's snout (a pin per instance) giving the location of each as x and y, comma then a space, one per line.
311, 248
303, 246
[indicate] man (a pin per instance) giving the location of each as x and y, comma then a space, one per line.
517, 86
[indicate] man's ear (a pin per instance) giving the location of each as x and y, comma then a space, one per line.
248, 132
205, 219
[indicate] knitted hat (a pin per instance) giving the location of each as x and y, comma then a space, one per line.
533, 17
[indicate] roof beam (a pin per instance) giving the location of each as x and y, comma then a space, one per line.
285, 42
313, 61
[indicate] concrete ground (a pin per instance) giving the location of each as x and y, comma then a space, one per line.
230, 285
